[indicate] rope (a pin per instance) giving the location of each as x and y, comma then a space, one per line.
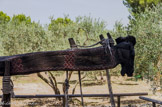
90, 45
105, 43
12, 87
8, 86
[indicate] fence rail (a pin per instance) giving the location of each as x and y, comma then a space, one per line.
154, 102
84, 95
78, 95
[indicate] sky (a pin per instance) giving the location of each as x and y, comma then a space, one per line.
40, 10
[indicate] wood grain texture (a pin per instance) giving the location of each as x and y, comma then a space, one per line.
76, 59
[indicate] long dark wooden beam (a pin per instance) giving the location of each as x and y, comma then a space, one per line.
67, 60
151, 100
98, 58
78, 95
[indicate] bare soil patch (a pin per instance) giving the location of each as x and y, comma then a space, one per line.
32, 85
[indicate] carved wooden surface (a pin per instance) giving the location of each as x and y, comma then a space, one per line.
72, 60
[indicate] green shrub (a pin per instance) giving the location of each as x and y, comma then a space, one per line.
21, 18
148, 32
147, 28
4, 18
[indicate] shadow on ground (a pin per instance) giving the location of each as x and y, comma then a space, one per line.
52, 102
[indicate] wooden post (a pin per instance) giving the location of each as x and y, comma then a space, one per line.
66, 98
72, 43
6, 98
74, 46
66, 90
153, 104
110, 89
118, 101
81, 88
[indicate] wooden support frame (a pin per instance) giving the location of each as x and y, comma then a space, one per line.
78, 95
110, 88
74, 46
118, 101
66, 90
80, 83
108, 78
118, 95
6, 98
154, 102
21, 63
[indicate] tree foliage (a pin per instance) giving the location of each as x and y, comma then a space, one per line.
61, 27
20, 35
83, 29
21, 18
59, 22
147, 28
138, 6
4, 18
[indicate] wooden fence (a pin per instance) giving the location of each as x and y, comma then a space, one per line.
119, 95
154, 102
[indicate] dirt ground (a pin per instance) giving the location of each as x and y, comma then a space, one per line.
32, 85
